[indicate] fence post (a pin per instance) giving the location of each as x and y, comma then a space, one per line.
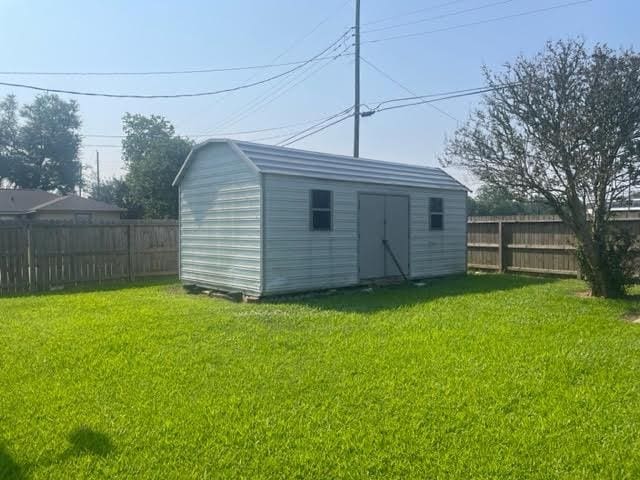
30, 259
131, 245
501, 265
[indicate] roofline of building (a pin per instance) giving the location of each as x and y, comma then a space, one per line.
234, 145
45, 204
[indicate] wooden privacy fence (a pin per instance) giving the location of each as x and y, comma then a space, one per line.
45, 256
533, 244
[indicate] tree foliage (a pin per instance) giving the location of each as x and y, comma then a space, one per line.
153, 154
40, 144
492, 200
564, 125
116, 191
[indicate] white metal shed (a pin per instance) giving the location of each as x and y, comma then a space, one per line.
267, 220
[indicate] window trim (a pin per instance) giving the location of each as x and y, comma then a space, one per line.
432, 213
312, 210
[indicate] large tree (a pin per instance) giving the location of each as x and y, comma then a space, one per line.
49, 143
564, 125
40, 143
153, 154
9, 152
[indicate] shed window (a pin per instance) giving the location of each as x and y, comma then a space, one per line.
436, 214
321, 210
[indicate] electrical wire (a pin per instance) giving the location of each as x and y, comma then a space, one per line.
275, 92
430, 95
293, 45
406, 89
318, 130
347, 113
225, 134
439, 99
164, 72
413, 12
438, 17
190, 71
481, 22
180, 95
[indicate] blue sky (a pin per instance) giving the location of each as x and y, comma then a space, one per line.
162, 35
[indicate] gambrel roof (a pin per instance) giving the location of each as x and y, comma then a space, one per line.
302, 163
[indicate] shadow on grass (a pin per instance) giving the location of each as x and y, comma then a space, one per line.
9, 468
108, 285
363, 300
83, 441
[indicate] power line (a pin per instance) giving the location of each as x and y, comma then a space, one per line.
430, 95
285, 89
181, 95
290, 140
347, 113
189, 71
318, 130
275, 92
313, 121
406, 89
167, 72
413, 12
289, 134
481, 22
293, 45
439, 17
447, 97
224, 134
313, 30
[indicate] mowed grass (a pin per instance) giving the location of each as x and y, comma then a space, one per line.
485, 376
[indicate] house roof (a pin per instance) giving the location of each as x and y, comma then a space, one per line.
23, 201
303, 163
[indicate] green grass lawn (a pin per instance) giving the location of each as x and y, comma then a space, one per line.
487, 376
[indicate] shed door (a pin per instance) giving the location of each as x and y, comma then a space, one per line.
397, 235
371, 234
383, 218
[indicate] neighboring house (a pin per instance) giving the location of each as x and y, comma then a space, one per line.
26, 204
267, 220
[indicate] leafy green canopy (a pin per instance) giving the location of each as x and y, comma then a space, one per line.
153, 154
40, 144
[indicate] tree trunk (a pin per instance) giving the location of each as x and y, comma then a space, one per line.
595, 265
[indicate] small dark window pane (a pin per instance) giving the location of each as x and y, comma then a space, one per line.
320, 199
321, 209
435, 205
321, 220
437, 221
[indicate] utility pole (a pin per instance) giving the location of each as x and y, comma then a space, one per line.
98, 172
356, 111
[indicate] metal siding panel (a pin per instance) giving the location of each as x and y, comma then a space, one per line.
297, 259
371, 214
220, 221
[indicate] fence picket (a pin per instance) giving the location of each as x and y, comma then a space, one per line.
39, 256
534, 244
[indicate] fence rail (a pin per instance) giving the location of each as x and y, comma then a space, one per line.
45, 256
533, 244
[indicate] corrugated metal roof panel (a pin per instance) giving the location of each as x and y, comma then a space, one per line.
289, 161
304, 163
